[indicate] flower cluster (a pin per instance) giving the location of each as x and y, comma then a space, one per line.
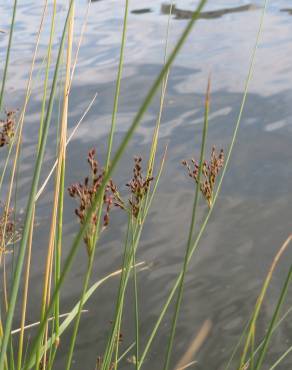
139, 186
9, 231
7, 128
85, 193
210, 171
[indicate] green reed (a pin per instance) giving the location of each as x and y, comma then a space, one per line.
8, 50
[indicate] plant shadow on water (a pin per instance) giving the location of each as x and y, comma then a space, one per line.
212, 14
249, 205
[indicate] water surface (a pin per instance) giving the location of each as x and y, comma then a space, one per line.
253, 214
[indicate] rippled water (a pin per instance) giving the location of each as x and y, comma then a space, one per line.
253, 214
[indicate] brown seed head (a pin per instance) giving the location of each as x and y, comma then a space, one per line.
138, 186
210, 171
85, 193
7, 128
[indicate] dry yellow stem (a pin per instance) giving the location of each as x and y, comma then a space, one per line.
195, 345
61, 160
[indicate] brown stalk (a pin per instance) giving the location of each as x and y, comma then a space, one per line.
37, 323
61, 160
195, 345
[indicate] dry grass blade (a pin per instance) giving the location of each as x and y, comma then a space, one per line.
187, 365
187, 359
71, 316
61, 160
42, 188
33, 325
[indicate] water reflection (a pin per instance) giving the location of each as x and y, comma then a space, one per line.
236, 242
287, 10
141, 11
212, 14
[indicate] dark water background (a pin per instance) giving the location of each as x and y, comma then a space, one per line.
253, 214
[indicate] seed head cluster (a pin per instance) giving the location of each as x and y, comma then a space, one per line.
7, 128
85, 193
139, 186
210, 171
10, 233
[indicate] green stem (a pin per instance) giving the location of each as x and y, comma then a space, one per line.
136, 311
273, 321
126, 266
129, 253
92, 249
4, 78
262, 342
118, 85
47, 70
191, 232
77, 321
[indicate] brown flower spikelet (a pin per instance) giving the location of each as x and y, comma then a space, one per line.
139, 187
10, 231
85, 193
210, 171
7, 128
